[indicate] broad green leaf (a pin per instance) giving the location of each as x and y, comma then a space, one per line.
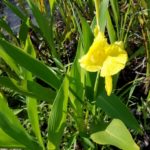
32, 102
9, 61
15, 10
23, 32
46, 93
29, 48
11, 126
31, 64
115, 134
86, 34
76, 95
87, 41
113, 107
7, 141
77, 74
32, 89
33, 117
76, 83
57, 118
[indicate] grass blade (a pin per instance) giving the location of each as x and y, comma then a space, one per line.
115, 9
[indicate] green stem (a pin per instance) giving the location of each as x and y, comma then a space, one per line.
96, 85
97, 6
95, 93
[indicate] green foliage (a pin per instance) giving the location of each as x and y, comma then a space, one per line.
57, 118
109, 105
31, 64
7, 141
11, 126
80, 111
115, 133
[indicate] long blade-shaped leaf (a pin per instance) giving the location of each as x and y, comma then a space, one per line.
11, 126
115, 9
110, 28
33, 116
7, 141
32, 102
77, 74
31, 64
33, 89
10, 62
57, 119
113, 106
103, 14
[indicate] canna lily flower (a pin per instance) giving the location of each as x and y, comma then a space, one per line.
109, 59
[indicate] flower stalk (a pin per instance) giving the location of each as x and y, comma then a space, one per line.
97, 6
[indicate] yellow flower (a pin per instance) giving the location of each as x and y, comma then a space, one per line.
109, 59
95, 57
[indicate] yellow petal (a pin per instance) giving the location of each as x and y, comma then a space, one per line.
115, 60
108, 85
87, 63
95, 57
120, 44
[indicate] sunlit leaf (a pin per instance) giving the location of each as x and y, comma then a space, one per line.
33, 89
11, 126
116, 134
31, 64
57, 118
7, 141
33, 117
